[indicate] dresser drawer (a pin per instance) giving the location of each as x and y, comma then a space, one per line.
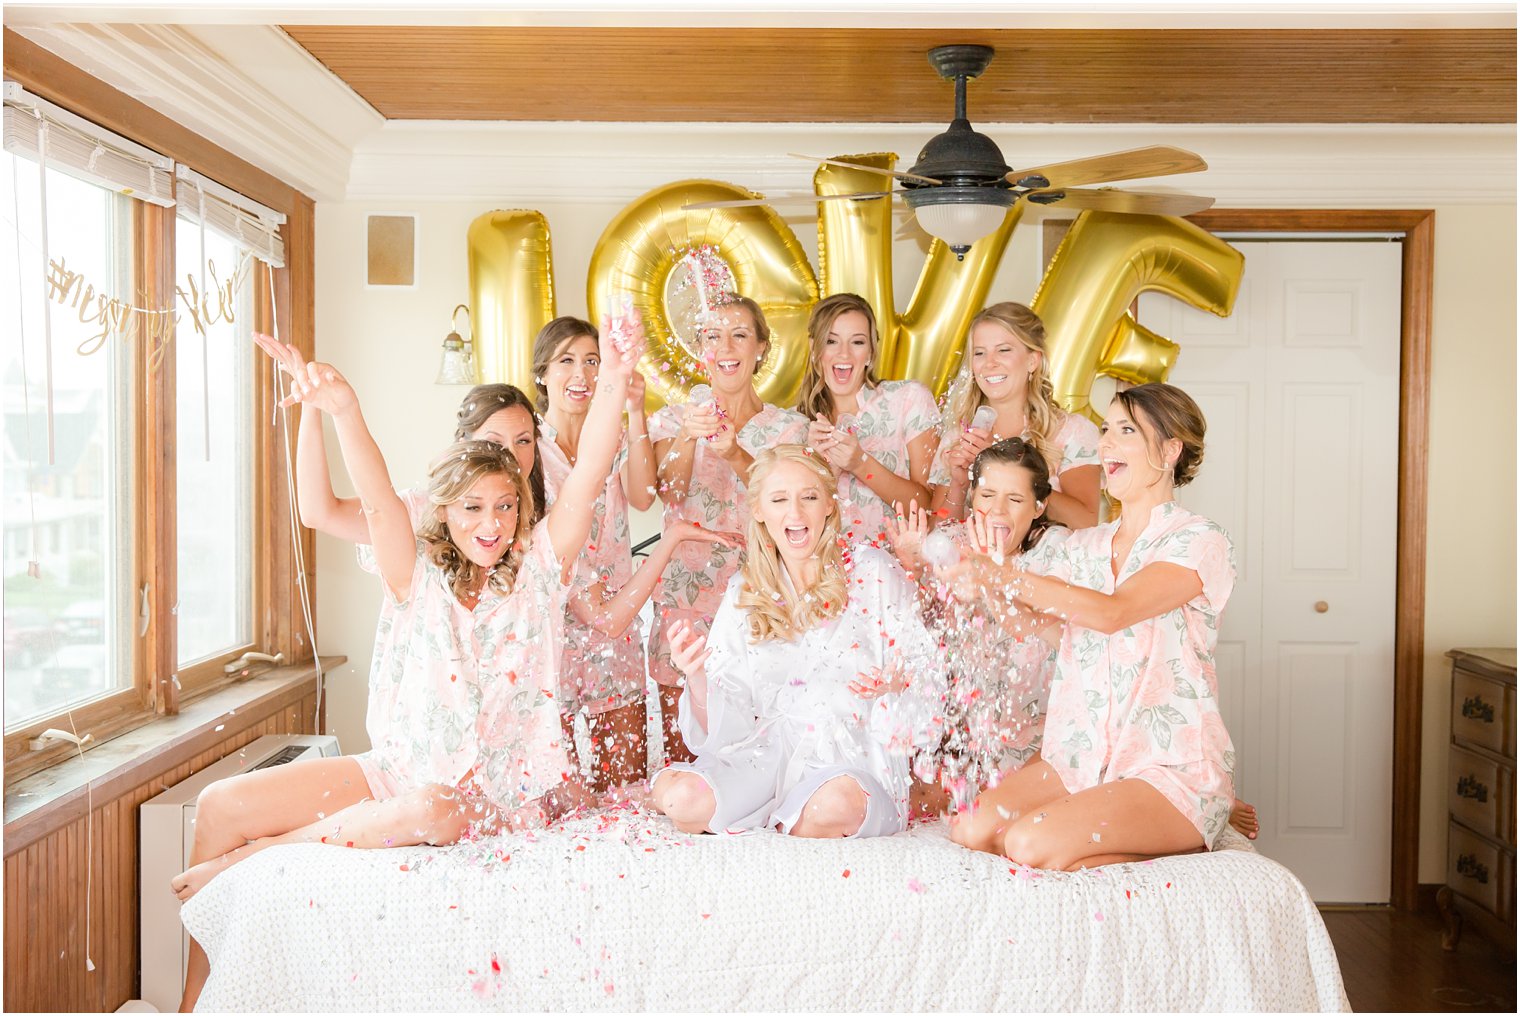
1473, 868
1478, 713
1475, 788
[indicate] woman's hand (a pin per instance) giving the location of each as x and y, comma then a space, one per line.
971, 444
879, 681
678, 531
689, 653
318, 385
622, 343
701, 422
636, 387
839, 448
906, 533
990, 543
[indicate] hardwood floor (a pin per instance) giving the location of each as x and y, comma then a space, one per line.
1392, 961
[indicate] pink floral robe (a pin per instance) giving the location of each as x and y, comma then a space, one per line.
890, 416
693, 585
598, 673
467, 698
1143, 703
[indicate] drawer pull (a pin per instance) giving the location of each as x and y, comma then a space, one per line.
1468, 786
1476, 709
1468, 866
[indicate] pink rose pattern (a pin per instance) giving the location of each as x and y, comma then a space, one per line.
1147, 696
889, 417
693, 584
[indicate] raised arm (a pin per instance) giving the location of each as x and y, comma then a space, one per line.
612, 615
569, 520
320, 508
320, 386
640, 478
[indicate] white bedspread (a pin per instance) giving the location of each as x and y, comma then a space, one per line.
622, 912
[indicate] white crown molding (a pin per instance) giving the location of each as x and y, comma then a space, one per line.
251, 90
934, 14
1313, 165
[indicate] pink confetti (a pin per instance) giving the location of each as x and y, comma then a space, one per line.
1098, 916
914, 885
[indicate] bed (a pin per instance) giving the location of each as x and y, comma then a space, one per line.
620, 911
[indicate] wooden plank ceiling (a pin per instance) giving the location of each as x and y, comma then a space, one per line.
882, 76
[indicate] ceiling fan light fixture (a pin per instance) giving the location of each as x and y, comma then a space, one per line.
960, 216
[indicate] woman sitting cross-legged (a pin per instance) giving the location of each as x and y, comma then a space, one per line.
816, 683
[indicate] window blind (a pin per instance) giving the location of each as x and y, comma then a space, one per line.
82, 149
245, 221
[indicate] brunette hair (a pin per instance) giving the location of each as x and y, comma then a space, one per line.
452, 475
815, 398
1015, 451
550, 337
775, 609
1169, 412
483, 402
1045, 417
762, 329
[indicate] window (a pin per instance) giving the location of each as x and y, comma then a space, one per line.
213, 443
69, 514
155, 546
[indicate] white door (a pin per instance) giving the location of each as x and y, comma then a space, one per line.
1300, 387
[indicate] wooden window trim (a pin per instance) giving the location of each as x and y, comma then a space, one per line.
278, 625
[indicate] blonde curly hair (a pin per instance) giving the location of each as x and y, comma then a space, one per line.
451, 477
1045, 417
777, 610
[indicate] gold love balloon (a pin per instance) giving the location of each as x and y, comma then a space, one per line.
647, 244
511, 274
1105, 261
923, 343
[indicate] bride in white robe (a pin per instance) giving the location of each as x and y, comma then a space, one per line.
817, 682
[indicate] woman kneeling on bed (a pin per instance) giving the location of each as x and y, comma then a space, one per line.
1136, 762
462, 715
816, 683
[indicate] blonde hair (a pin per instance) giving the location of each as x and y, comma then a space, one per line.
1044, 416
815, 398
775, 609
451, 477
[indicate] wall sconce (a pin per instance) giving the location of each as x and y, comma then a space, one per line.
458, 365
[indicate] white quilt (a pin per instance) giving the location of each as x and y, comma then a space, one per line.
622, 912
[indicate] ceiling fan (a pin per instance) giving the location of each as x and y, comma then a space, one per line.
961, 188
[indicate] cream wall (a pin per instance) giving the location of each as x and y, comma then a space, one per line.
387, 341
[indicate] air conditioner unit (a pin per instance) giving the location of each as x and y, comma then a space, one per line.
167, 827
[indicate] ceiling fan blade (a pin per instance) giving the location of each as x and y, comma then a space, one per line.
1125, 201
1157, 160
869, 169
794, 199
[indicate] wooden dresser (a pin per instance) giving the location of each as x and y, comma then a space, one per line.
1480, 795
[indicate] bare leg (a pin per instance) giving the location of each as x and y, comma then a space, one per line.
1243, 818
675, 744
434, 814
1127, 820
836, 809
619, 748
686, 799
230, 813
996, 808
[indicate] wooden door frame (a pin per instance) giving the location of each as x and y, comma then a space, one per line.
1418, 229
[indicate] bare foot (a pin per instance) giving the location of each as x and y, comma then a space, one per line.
1243, 818
192, 880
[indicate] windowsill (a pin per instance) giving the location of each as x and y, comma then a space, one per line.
60, 792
